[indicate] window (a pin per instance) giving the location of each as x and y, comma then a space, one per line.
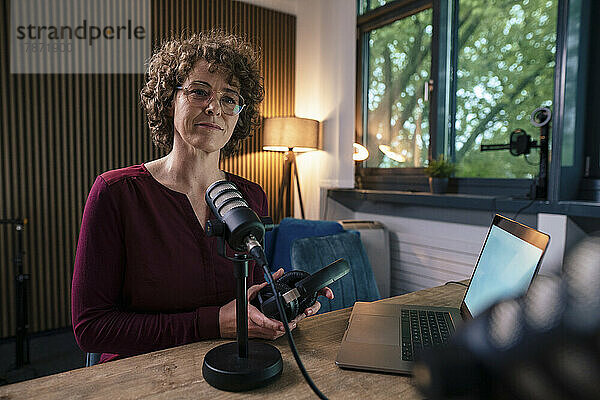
441, 77
397, 109
505, 70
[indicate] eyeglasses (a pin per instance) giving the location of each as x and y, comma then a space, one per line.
200, 95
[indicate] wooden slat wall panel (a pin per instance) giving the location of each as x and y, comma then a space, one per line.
60, 131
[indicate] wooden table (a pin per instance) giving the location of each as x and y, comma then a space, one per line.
176, 373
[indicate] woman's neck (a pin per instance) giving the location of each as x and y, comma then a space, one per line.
187, 172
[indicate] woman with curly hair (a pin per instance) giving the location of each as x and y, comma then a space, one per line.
146, 275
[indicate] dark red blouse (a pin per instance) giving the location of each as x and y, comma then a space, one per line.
146, 275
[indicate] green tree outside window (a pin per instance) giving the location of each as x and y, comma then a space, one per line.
506, 61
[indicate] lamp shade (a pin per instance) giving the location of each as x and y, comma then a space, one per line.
360, 152
284, 133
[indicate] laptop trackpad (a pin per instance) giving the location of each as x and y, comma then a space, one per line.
374, 329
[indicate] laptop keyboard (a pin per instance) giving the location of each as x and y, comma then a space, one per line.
422, 329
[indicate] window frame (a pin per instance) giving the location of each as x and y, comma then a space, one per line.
367, 22
442, 116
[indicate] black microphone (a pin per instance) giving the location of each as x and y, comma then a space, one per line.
241, 228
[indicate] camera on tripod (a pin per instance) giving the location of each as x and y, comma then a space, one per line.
521, 144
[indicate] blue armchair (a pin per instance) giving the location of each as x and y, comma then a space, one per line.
312, 254
278, 242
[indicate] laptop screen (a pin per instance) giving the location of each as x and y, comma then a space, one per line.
506, 266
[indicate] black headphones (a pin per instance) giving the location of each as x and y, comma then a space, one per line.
298, 289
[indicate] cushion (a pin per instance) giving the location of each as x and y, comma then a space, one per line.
278, 242
312, 254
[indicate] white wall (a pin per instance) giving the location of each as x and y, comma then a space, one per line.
325, 91
564, 233
423, 253
429, 253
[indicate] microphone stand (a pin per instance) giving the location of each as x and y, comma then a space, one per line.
242, 365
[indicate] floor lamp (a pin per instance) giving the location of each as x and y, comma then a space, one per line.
291, 135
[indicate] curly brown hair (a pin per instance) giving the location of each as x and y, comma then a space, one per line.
171, 64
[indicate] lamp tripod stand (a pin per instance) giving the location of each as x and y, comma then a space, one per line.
291, 135
289, 164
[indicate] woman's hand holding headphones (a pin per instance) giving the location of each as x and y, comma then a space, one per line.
315, 307
326, 291
259, 325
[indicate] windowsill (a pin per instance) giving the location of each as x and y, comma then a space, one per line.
354, 199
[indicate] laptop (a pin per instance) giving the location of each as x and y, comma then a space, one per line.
386, 337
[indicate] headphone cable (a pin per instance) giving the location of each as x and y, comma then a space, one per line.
289, 335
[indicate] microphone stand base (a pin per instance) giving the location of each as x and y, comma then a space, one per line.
224, 369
